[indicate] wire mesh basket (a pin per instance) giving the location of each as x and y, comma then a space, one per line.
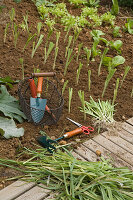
54, 102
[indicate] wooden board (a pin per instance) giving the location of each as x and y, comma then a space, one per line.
15, 189
35, 193
119, 141
117, 150
86, 153
76, 155
128, 127
105, 153
126, 136
130, 121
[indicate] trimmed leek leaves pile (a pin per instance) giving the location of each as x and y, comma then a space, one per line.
74, 179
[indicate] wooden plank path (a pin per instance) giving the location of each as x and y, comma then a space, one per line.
118, 148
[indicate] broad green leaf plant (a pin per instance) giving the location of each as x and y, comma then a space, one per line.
8, 128
9, 105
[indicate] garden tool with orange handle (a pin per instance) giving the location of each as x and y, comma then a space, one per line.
34, 90
46, 143
37, 105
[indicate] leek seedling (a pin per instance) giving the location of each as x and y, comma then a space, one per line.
115, 90
70, 99
68, 30
57, 38
56, 53
78, 71
88, 54
69, 59
56, 48
50, 24
82, 99
47, 39
69, 43
39, 26
64, 86
102, 57
15, 34
127, 68
5, 32
102, 111
30, 37
46, 53
77, 31
40, 40
79, 48
94, 50
12, 15
47, 85
109, 76
89, 79
26, 22
21, 60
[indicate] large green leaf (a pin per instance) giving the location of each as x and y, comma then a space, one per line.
113, 62
9, 105
117, 60
116, 45
8, 128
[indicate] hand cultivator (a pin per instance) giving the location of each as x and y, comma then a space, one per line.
47, 143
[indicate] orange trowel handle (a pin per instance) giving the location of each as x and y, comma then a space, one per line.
72, 133
32, 87
39, 86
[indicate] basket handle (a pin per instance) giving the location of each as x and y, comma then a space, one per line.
45, 74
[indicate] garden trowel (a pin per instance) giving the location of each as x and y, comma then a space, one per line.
33, 88
37, 104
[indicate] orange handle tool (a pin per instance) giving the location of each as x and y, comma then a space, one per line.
39, 86
70, 134
32, 87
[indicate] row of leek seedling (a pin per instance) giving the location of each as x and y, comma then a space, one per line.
84, 103
68, 54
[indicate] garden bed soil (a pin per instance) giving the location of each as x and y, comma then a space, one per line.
10, 66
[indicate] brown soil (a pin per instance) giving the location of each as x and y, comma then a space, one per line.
10, 66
